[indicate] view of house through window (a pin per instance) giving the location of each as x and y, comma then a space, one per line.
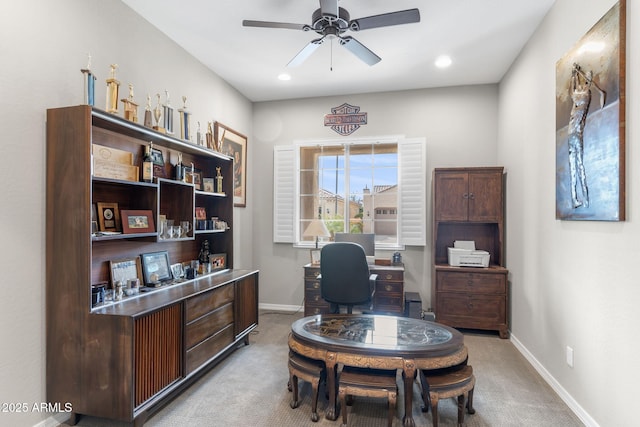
350, 188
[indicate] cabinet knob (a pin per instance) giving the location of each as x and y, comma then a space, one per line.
472, 196
316, 298
388, 288
316, 285
465, 196
389, 276
470, 306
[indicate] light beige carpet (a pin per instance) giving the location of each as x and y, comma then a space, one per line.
249, 388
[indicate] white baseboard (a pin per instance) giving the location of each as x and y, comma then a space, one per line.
280, 307
54, 421
555, 385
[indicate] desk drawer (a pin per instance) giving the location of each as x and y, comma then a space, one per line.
312, 286
311, 273
488, 283
389, 288
208, 325
202, 304
389, 275
391, 303
207, 349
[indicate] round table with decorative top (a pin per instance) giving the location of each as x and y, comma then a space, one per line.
376, 341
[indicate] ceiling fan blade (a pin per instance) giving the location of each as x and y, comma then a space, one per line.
268, 24
385, 20
359, 50
305, 52
329, 8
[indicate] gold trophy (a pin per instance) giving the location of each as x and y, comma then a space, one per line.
148, 121
219, 181
185, 124
157, 114
112, 91
130, 107
89, 84
209, 136
198, 135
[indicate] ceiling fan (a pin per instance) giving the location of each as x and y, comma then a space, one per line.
331, 21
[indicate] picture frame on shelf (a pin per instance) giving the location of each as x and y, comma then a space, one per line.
125, 269
177, 270
194, 176
234, 145
159, 170
108, 216
315, 256
218, 261
156, 268
201, 213
137, 221
207, 185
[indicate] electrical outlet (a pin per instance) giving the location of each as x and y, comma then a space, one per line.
570, 356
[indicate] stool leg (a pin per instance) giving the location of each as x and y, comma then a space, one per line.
470, 402
343, 406
433, 398
461, 409
294, 386
392, 407
314, 400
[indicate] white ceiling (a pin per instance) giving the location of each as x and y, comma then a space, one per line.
483, 37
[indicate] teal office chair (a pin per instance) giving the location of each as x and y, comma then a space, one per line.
344, 277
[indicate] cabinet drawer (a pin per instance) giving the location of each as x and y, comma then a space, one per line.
449, 281
313, 309
204, 351
312, 285
390, 275
202, 304
208, 325
389, 303
311, 273
471, 310
384, 288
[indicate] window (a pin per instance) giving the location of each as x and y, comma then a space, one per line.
358, 186
343, 185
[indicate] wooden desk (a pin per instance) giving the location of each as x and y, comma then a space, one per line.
388, 299
382, 342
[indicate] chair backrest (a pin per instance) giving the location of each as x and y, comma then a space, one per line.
344, 274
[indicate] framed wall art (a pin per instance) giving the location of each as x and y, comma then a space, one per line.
137, 221
122, 270
234, 145
590, 123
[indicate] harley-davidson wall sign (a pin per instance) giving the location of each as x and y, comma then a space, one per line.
345, 119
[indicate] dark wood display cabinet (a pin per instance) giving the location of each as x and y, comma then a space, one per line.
124, 360
469, 205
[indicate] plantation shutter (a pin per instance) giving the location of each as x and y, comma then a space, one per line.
412, 212
284, 180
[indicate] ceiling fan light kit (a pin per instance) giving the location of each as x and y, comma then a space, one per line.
331, 21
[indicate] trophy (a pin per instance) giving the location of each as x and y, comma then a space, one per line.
147, 113
218, 181
198, 135
185, 125
130, 107
168, 115
157, 114
89, 84
112, 91
209, 136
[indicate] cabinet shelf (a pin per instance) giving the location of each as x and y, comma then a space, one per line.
123, 236
97, 179
209, 194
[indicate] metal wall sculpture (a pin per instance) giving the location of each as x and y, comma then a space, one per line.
590, 123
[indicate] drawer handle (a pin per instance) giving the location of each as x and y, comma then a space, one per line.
316, 285
389, 276
388, 288
470, 306
316, 274
316, 298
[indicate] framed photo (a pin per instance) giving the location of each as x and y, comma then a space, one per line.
201, 213
315, 256
194, 177
218, 261
125, 269
137, 221
156, 267
157, 157
208, 184
234, 145
108, 216
177, 270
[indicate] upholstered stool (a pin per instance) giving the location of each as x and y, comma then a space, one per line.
367, 383
457, 381
309, 370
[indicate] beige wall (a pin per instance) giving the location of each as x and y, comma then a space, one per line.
573, 283
43, 46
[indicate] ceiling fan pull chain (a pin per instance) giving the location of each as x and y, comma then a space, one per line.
331, 56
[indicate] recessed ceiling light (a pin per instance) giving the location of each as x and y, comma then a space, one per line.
284, 77
443, 61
